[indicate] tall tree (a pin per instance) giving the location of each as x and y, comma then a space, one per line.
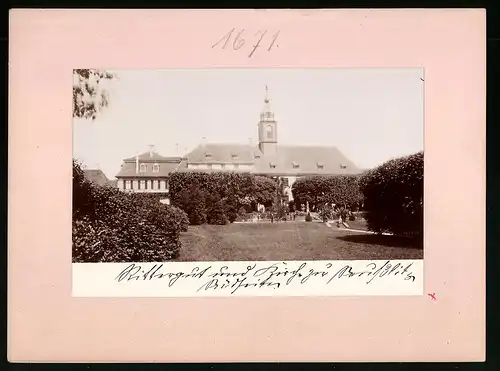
88, 95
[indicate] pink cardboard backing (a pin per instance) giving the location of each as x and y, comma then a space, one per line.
47, 324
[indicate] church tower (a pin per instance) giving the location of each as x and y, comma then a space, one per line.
268, 135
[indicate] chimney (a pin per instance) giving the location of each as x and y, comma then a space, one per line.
203, 141
250, 141
137, 163
177, 149
151, 148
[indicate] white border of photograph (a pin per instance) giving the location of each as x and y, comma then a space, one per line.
215, 279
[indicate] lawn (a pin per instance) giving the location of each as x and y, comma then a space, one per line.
290, 241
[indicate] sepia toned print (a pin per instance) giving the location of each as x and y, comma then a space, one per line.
145, 107
250, 165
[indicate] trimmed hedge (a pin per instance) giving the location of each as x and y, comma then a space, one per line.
216, 214
192, 201
217, 197
113, 226
394, 196
245, 187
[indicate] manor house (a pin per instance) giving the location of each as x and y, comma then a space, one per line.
148, 172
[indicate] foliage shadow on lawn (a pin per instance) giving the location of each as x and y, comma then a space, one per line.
384, 240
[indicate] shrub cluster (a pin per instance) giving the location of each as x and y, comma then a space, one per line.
113, 226
394, 196
219, 198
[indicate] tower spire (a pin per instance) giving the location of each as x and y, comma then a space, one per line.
268, 138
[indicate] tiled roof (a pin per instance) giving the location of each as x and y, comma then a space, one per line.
97, 176
153, 157
305, 160
224, 153
289, 160
165, 168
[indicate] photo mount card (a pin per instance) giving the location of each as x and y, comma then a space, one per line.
250, 172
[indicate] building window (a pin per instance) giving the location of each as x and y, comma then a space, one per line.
269, 132
229, 166
142, 184
155, 184
128, 184
143, 168
285, 182
156, 168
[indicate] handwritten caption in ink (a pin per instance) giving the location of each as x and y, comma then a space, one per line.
248, 41
265, 276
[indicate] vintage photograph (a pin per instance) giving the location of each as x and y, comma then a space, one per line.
196, 165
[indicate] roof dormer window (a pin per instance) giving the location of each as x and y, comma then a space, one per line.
143, 168
256, 155
234, 155
156, 168
208, 154
342, 166
320, 165
295, 165
272, 165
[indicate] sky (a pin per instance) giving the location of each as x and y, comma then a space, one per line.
370, 115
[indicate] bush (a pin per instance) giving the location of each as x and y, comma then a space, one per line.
242, 214
197, 211
235, 190
112, 226
242, 211
181, 218
394, 196
215, 210
231, 208
309, 217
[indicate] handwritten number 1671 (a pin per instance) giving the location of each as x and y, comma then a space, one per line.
239, 41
